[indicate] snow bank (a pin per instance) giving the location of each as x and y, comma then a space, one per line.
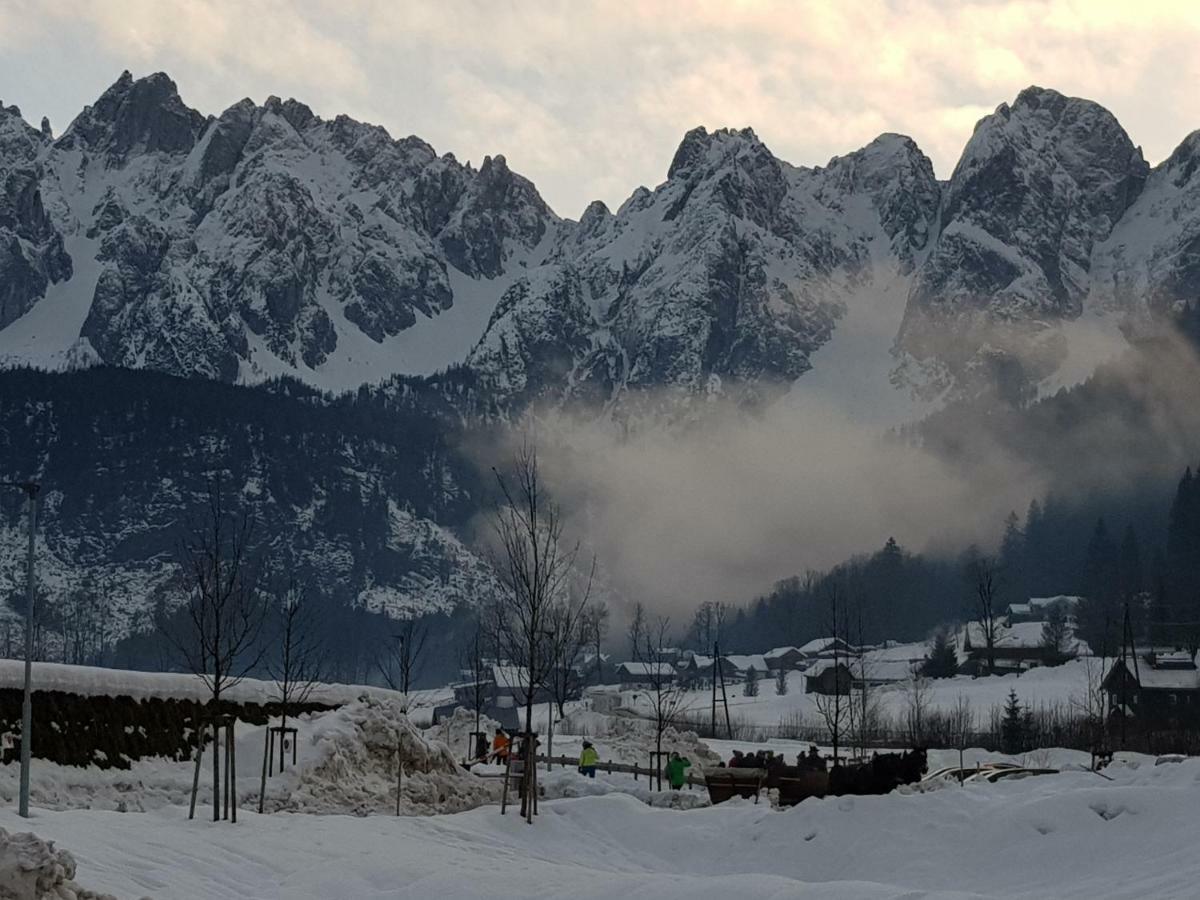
625, 739
455, 731
1074, 835
357, 748
32, 869
91, 681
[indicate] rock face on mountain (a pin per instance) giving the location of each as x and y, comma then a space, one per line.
725, 278
270, 241
1039, 185
265, 240
31, 248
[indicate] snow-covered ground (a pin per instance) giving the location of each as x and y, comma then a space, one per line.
1037, 687
1070, 835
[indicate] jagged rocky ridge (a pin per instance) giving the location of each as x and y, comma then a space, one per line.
267, 240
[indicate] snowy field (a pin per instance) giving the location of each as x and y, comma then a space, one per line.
331, 829
1063, 684
1069, 835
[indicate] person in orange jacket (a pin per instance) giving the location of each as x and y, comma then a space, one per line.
500, 745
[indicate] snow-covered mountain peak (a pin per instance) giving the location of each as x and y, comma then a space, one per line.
145, 115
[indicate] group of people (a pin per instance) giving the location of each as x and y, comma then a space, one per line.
771, 761
675, 769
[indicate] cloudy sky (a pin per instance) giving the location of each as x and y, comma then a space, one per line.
590, 99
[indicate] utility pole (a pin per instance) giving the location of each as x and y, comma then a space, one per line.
31, 489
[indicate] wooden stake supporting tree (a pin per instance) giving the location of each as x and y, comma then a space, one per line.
225, 792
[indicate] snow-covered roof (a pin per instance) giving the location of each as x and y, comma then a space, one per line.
510, 676
816, 645
640, 668
1154, 679
745, 662
898, 653
885, 670
1042, 602
1020, 609
780, 651
821, 666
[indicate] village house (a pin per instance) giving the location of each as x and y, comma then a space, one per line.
1155, 690
824, 648
827, 677
787, 658
633, 675
1018, 647
736, 667
502, 695
1035, 609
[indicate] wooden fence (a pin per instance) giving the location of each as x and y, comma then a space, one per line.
627, 768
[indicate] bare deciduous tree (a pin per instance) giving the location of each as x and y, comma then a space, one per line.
637, 630
297, 664
596, 622
707, 623
664, 692
217, 637
917, 696
399, 661
471, 663
983, 572
834, 708
569, 636
536, 567
864, 706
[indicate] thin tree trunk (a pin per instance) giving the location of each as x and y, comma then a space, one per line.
262, 791
216, 766
196, 773
233, 794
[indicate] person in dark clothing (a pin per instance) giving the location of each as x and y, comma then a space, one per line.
815, 760
737, 761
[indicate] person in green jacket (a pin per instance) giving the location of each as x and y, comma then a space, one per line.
588, 760
677, 767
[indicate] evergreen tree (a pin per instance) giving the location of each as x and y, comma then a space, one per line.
1132, 576
1159, 631
1183, 555
942, 661
751, 687
1012, 557
781, 681
1098, 616
1012, 725
1034, 549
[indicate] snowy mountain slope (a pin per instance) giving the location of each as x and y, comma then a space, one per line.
365, 500
1039, 184
725, 278
268, 241
263, 240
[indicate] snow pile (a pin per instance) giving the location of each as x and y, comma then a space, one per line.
455, 731
31, 869
630, 740
563, 783
357, 749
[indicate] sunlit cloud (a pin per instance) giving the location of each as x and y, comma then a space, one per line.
589, 99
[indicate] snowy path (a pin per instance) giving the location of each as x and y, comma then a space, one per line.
1072, 835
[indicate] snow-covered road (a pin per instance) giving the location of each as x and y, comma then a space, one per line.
1070, 835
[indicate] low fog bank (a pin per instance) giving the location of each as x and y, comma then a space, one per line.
735, 501
722, 510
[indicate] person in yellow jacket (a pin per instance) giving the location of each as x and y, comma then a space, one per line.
588, 760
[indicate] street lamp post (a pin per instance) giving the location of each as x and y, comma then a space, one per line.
31, 489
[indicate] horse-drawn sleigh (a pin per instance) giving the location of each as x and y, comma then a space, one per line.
881, 774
